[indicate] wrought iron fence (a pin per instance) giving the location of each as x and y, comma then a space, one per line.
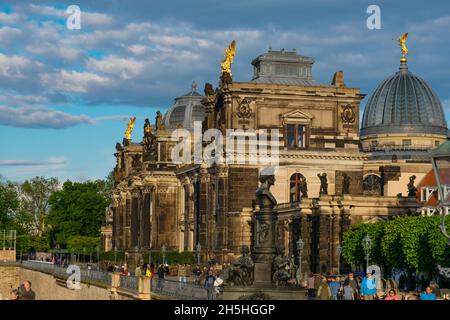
180, 290
91, 276
129, 283
96, 276
8, 239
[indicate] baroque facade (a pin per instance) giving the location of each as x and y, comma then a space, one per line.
328, 177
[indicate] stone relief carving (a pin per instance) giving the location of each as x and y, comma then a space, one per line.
372, 184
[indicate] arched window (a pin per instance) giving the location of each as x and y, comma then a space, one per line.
295, 187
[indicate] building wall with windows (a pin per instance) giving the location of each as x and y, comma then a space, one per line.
179, 205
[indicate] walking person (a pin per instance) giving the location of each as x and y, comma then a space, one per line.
369, 287
334, 287
324, 291
218, 288
348, 291
161, 273
209, 284
311, 286
354, 284
197, 271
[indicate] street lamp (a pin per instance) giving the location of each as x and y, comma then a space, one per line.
163, 250
198, 247
367, 245
98, 258
300, 245
115, 256
440, 159
339, 250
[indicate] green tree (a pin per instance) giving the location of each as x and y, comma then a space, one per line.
83, 244
35, 194
9, 203
352, 248
76, 210
409, 243
106, 185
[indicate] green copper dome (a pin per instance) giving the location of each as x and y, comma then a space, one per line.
403, 103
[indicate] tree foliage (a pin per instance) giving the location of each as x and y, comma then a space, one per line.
35, 194
9, 203
76, 210
83, 244
412, 243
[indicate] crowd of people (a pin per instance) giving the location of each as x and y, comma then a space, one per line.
207, 277
354, 288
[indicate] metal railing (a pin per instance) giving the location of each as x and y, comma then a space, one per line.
179, 290
86, 275
129, 283
8, 239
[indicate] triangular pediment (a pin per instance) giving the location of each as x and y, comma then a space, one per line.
296, 116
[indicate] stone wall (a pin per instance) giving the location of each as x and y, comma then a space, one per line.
242, 184
9, 278
7, 255
47, 287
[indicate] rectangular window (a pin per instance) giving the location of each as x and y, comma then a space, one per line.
295, 136
406, 142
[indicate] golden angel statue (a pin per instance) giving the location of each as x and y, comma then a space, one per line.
130, 128
228, 60
402, 42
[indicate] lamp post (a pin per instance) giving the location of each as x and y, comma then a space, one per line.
339, 250
98, 258
198, 248
300, 245
115, 256
440, 159
163, 250
367, 244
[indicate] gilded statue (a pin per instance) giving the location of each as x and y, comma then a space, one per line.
130, 127
402, 42
228, 60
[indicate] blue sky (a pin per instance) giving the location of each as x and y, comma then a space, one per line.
65, 94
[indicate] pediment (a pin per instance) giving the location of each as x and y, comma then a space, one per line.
297, 116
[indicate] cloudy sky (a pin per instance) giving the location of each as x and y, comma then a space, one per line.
65, 94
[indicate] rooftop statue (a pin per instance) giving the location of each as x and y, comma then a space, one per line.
130, 127
228, 60
402, 42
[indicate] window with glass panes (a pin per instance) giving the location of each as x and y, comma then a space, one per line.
296, 136
295, 187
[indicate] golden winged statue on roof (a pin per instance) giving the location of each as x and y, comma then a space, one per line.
228, 60
402, 42
130, 127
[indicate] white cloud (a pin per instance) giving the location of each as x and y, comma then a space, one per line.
73, 81
15, 66
39, 117
52, 161
125, 68
12, 18
93, 19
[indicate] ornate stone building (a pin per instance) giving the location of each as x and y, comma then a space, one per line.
327, 176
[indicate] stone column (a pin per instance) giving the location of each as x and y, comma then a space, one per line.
145, 236
265, 233
134, 219
205, 212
